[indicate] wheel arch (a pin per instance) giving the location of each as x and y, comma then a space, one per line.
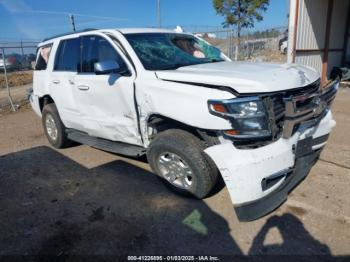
157, 123
45, 100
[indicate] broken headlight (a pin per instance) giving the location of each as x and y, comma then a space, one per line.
248, 116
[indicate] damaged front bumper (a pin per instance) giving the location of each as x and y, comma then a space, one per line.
259, 180
260, 207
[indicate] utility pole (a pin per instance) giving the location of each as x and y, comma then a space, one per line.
72, 21
158, 14
238, 30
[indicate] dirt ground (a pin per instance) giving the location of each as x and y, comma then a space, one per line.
18, 95
16, 78
84, 201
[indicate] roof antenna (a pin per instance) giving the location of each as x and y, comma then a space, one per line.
72, 21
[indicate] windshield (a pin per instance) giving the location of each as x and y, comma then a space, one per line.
163, 51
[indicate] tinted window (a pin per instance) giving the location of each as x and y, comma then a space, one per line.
68, 55
98, 49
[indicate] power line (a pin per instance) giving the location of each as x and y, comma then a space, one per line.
75, 14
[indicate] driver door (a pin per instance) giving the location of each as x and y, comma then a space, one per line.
106, 101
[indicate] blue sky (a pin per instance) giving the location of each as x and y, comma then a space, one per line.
36, 19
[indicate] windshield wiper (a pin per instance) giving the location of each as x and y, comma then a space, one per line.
178, 65
212, 60
173, 67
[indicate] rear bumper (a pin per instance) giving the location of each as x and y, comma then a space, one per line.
259, 180
34, 102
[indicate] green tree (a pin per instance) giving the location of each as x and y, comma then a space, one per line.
240, 14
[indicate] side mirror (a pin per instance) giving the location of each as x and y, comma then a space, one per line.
106, 67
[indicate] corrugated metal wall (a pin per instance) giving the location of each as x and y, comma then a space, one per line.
338, 26
338, 29
347, 50
313, 60
311, 32
311, 24
347, 43
334, 59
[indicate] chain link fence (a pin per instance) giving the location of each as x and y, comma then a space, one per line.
16, 72
268, 45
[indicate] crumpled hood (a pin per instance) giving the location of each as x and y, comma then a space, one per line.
244, 77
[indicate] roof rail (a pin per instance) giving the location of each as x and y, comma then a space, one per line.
70, 33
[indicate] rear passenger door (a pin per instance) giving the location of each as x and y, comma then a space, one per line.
106, 101
62, 81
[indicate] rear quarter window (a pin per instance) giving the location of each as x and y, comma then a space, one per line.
43, 55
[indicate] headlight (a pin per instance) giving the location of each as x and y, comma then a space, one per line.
248, 116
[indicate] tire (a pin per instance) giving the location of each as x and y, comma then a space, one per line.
186, 152
51, 119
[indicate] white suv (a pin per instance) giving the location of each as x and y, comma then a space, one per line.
193, 112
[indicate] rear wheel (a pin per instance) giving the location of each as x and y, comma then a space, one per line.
178, 158
55, 130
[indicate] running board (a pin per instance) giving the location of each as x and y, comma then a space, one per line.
104, 144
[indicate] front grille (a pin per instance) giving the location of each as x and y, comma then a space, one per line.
278, 107
292, 108
307, 106
278, 115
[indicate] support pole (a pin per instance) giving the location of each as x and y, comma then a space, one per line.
6, 82
22, 51
158, 14
72, 22
295, 34
326, 44
228, 42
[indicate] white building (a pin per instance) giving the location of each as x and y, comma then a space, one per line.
319, 34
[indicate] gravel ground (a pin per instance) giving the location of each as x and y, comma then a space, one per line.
84, 201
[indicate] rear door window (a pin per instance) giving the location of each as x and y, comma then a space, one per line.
68, 56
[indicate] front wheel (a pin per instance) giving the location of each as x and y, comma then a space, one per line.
178, 158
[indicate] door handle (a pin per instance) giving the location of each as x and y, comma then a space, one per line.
83, 87
56, 81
